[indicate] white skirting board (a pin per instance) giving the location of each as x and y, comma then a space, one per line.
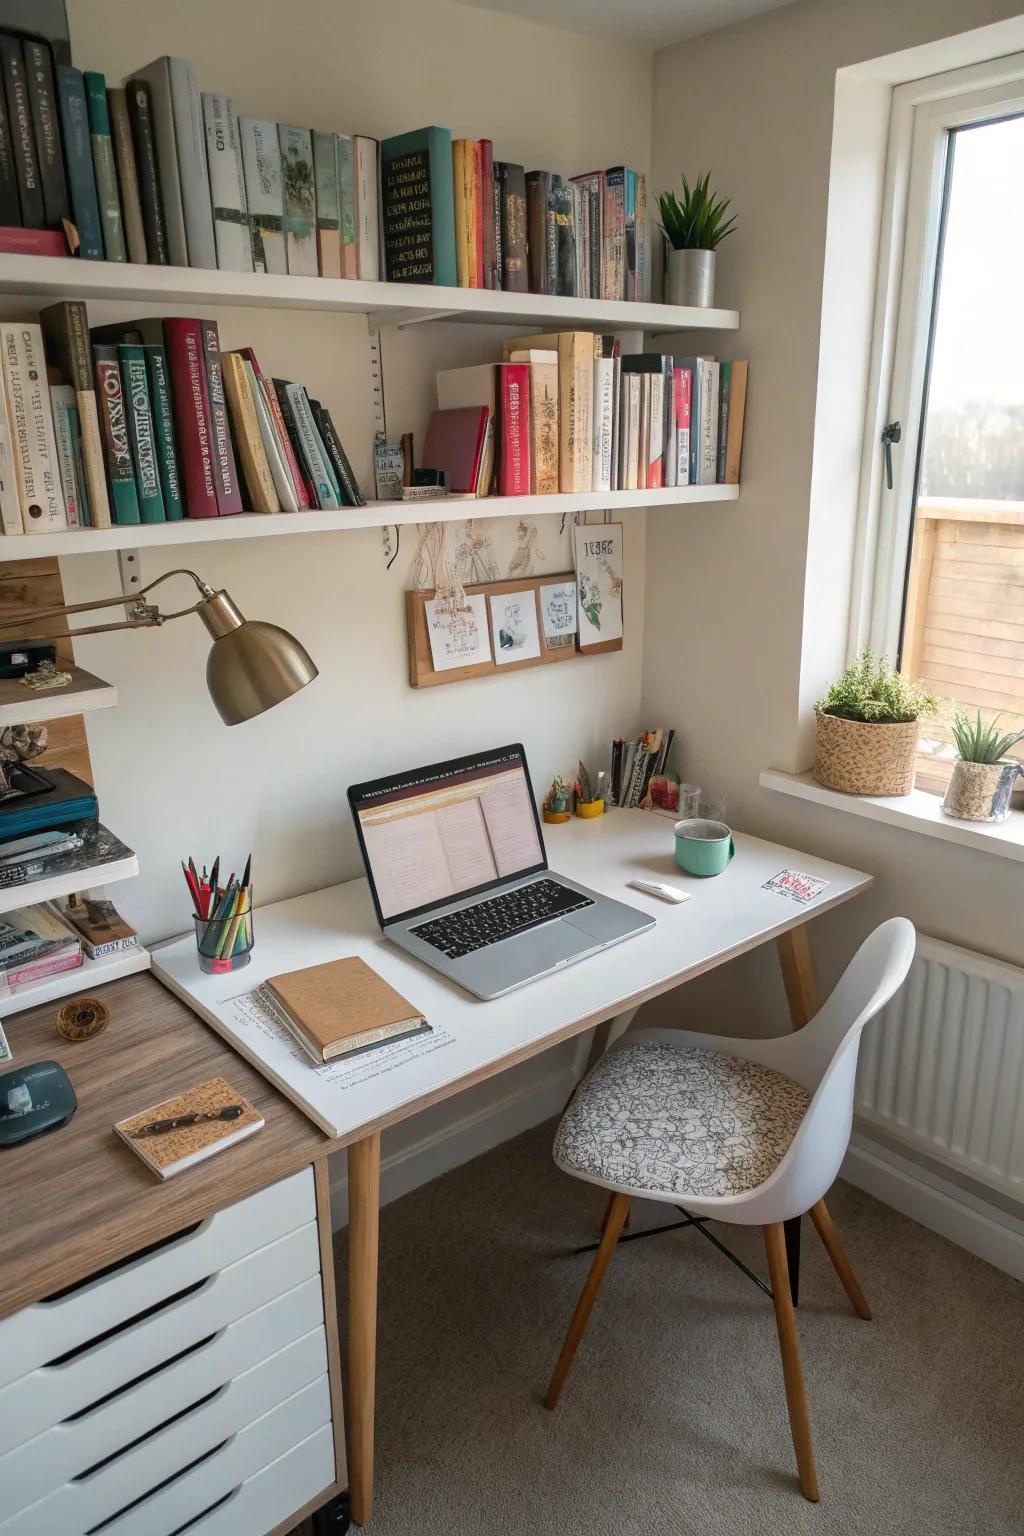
988, 1230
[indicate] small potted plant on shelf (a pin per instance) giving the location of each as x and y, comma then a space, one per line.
983, 776
867, 726
695, 225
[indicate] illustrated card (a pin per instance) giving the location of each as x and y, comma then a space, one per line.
514, 621
599, 582
558, 612
797, 887
458, 632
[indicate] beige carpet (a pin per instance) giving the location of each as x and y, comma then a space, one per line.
673, 1420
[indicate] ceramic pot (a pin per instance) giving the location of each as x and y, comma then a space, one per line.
981, 791
690, 278
858, 757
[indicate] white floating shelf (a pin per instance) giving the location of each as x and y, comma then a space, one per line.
24, 706
52, 886
84, 979
376, 514
390, 303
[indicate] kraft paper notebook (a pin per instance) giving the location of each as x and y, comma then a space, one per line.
342, 1007
173, 1135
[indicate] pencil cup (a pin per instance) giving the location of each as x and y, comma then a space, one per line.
224, 943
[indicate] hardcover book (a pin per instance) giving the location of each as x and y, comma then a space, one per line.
418, 211
514, 429
97, 922
512, 183
104, 167
180, 1132
261, 163
190, 394
163, 428
10, 499
140, 115
313, 454
285, 486
454, 444
62, 406
127, 174
299, 199
301, 492
114, 420
347, 205
33, 442
181, 156
490, 245
464, 192
543, 366
575, 402
227, 184
74, 116
341, 1007
562, 229
737, 411
141, 435
613, 283
365, 177
724, 397
23, 139
251, 452
541, 244
328, 204
10, 206
65, 330
229, 495
42, 93
351, 495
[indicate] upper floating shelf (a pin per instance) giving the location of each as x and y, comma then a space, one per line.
389, 303
376, 514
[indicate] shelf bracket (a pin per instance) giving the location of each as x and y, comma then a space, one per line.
129, 568
403, 318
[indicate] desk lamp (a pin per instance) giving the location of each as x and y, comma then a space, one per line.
251, 666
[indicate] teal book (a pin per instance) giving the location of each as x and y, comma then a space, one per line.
84, 511
124, 498
163, 428
135, 382
104, 165
418, 207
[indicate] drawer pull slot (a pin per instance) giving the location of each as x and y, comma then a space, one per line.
189, 1467
154, 1370
110, 1333
130, 1445
217, 1504
112, 1269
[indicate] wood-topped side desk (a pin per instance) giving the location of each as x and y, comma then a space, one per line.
728, 916
168, 1351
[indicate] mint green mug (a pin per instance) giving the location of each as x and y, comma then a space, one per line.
703, 847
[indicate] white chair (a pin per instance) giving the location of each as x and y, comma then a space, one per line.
745, 1131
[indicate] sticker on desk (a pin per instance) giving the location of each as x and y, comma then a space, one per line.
802, 889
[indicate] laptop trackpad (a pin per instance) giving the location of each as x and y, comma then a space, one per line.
500, 966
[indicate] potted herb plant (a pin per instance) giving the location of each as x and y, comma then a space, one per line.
983, 776
695, 225
867, 726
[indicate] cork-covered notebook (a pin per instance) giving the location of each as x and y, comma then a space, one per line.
185, 1130
342, 1007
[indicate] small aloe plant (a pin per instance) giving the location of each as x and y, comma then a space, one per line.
979, 741
697, 221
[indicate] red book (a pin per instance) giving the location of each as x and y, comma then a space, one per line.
32, 242
186, 364
455, 440
225, 472
514, 414
487, 213
680, 444
302, 492
479, 209
38, 970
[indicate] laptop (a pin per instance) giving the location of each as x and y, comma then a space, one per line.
459, 877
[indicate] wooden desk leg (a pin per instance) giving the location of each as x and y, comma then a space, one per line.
802, 996
363, 1226
606, 1034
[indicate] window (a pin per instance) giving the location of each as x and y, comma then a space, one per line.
947, 587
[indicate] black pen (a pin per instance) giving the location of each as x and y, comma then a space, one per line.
161, 1127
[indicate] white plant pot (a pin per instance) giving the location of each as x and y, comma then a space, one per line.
690, 278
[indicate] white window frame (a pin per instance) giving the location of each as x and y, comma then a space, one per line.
923, 111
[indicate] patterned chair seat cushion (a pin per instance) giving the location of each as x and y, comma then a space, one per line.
678, 1120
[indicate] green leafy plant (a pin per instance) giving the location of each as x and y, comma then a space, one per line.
873, 691
979, 741
697, 221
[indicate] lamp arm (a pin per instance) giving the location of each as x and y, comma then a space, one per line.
147, 615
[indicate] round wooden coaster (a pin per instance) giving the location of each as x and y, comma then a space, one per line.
82, 1018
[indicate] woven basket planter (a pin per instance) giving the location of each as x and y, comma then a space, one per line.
859, 758
980, 791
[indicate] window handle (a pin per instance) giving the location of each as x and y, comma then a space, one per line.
891, 433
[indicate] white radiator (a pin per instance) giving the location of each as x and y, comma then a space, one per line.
942, 1069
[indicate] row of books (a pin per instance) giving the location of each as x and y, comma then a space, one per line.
138, 422
51, 937
568, 412
636, 764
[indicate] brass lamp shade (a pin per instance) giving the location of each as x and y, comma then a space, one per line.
252, 665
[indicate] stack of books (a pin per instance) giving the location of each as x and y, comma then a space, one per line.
568, 412
35, 944
139, 424
635, 763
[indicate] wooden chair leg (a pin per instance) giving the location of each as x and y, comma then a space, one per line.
617, 1213
837, 1253
792, 1369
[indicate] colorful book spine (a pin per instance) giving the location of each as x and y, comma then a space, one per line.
227, 186
190, 394
630, 234
328, 212
514, 418
140, 115
10, 500
656, 433
141, 433
273, 447
114, 420
417, 200
707, 422
299, 199
66, 337
347, 205
512, 193
562, 229
42, 94
487, 214
478, 214
539, 245
170, 176
10, 207
251, 452
499, 252
724, 396
351, 495
604, 396
365, 175
104, 167
127, 175
62, 405
35, 449
193, 172
229, 493
737, 412
261, 164
295, 471
462, 195
74, 116
163, 429
310, 445
23, 139
80, 476
614, 234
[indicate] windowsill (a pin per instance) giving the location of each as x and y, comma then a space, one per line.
916, 812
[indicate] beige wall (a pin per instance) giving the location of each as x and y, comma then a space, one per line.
170, 777
726, 598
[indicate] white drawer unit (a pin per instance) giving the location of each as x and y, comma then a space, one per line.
172, 1388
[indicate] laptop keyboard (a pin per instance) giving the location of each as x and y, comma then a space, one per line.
500, 917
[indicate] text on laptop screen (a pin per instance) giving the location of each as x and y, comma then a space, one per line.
436, 837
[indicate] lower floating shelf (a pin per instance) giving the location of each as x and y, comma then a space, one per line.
84, 979
376, 514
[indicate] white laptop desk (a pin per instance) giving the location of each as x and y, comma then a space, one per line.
727, 916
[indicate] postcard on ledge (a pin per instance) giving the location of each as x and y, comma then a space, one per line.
459, 636
599, 581
514, 618
179, 1132
558, 607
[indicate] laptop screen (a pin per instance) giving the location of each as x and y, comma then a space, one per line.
450, 830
